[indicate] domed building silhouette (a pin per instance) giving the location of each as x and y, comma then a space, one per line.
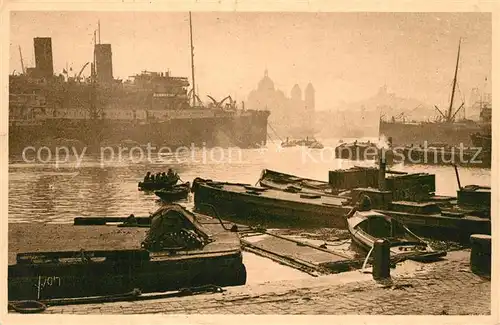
290, 116
296, 93
266, 84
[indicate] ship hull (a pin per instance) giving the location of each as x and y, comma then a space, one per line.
243, 130
407, 134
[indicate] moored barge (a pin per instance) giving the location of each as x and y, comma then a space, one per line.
268, 207
409, 198
178, 250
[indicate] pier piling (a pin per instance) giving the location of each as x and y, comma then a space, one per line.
381, 260
480, 255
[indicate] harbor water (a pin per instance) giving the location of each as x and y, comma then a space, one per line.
56, 190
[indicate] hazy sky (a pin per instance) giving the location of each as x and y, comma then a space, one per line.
347, 56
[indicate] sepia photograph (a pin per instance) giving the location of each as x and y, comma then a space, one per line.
249, 162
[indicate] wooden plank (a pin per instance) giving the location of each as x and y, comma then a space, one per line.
135, 254
95, 221
308, 245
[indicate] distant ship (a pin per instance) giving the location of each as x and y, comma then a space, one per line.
154, 108
446, 129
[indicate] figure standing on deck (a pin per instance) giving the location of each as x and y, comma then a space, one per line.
172, 177
364, 203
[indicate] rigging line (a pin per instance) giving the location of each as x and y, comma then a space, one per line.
270, 126
462, 95
269, 137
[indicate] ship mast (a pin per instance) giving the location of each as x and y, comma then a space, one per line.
192, 59
449, 118
22, 63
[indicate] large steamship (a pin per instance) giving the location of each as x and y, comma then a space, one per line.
153, 108
447, 128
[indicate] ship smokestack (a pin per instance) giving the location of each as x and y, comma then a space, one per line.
103, 62
43, 57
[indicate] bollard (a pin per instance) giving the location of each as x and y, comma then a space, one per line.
381, 260
381, 170
480, 254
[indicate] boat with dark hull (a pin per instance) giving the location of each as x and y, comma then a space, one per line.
446, 128
156, 185
357, 150
409, 198
366, 227
308, 142
443, 155
267, 207
418, 133
153, 108
175, 193
178, 249
482, 140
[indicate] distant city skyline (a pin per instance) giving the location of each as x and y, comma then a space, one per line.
346, 56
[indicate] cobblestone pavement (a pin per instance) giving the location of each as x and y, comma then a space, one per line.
441, 288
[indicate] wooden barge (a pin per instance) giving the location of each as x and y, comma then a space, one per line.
409, 198
268, 207
178, 250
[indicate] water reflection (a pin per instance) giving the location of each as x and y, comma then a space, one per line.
43, 193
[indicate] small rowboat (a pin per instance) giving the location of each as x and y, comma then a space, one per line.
178, 192
366, 227
156, 185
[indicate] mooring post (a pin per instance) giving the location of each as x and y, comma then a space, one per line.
381, 260
381, 170
480, 254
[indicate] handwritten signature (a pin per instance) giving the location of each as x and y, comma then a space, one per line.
47, 282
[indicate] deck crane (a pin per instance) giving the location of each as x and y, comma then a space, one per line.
81, 70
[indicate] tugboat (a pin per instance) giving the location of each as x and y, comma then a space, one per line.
306, 142
288, 143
